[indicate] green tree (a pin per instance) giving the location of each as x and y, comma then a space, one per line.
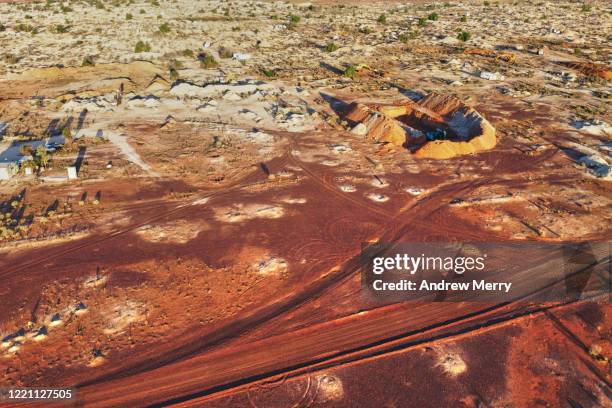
42, 158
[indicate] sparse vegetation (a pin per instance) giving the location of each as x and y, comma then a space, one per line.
87, 62
207, 60
464, 36
433, 16
225, 52
142, 46
293, 21
61, 29
331, 47
268, 72
405, 37
382, 19
21, 27
129, 16
11, 58
422, 22
350, 72
164, 28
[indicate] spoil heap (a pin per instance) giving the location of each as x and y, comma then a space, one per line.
436, 127
590, 69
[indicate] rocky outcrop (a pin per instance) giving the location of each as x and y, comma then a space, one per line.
458, 128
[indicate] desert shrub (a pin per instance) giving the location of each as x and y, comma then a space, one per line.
129, 16
270, 73
422, 22
225, 52
433, 16
463, 18
142, 46
350, 72
187, 53
331, 47
586, 8
164, 28
26, 28
464, 36
11, 58
207, 60
382, 19
293, 21
142, 11
67, 135
2, 27
87, 62
404, 37
61, 29
174, 75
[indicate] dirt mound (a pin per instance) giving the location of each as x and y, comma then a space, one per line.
483, 52
590, 69
81, 81
436, 127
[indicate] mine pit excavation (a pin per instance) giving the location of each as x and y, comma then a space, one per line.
436, 127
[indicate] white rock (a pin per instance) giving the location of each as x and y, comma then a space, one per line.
491, 76
360, 129
238, 56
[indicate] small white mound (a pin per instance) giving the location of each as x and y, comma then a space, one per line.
330, 388
291, 200
381, 198
415, 191
451, 362
271, 266
348, 188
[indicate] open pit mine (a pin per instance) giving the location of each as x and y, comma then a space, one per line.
210, 203
435, 127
